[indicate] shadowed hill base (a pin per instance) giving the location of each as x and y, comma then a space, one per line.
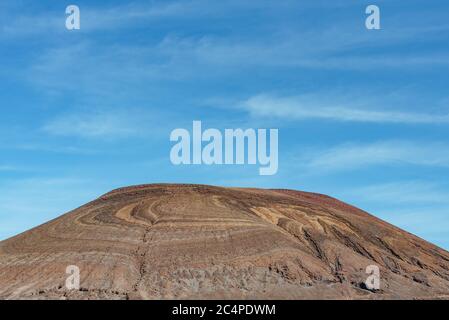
203, 242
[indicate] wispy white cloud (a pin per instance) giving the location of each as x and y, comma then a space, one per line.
303, 108
96, 125
113, 123
93, 18
355, 156
30, 25
47, 147
93, 69
100, 18
96, 66
7, 168
399, 193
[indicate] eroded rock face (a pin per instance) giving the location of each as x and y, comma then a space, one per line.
202, 242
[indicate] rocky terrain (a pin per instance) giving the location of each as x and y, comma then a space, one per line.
204, 242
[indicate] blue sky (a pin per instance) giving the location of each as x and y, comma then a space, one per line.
363, 115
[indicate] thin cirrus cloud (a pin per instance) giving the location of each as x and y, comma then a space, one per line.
110, 124
356, 156
177, 56
398, 193
301, 108
93, 18
98, 18
7, 168
99, 124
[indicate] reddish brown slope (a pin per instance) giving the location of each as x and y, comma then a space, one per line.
192, 241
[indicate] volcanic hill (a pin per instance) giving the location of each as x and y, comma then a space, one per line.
203, 242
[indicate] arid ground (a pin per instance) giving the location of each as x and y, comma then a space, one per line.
204, 242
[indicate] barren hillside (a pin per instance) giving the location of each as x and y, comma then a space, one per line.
195, 241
